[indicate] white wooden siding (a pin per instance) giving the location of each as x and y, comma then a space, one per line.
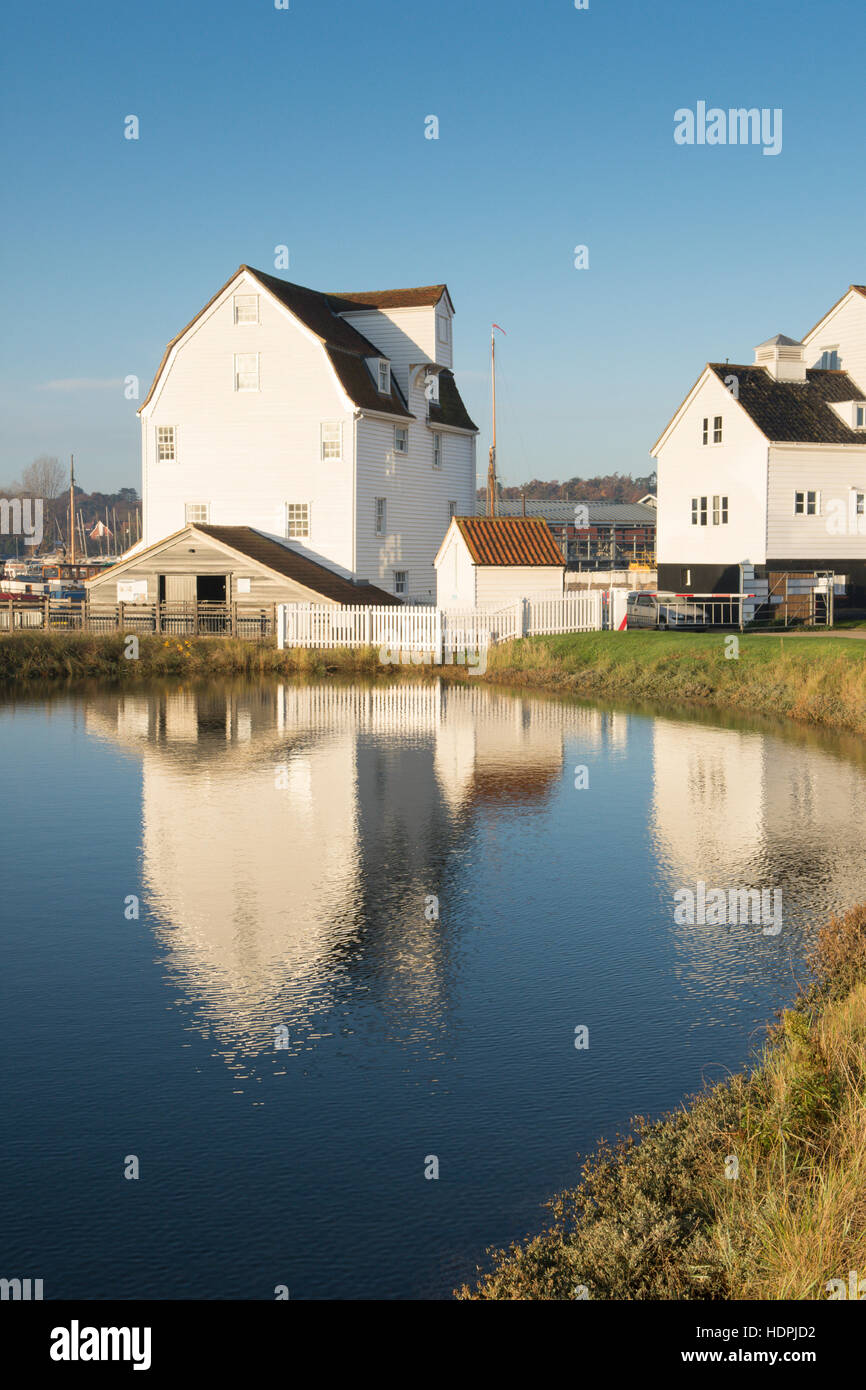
832, 472
846, 331
736, 468
250, 452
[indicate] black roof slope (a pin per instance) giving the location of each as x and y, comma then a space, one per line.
449, 410
795, 412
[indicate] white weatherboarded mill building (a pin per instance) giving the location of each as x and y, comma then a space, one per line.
484, 561
762, 470
332, 420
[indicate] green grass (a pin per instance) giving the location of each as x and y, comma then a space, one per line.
665, 1213
816, 680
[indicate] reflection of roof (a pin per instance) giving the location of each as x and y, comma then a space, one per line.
561, 513
795, 411
294, 564
500, 540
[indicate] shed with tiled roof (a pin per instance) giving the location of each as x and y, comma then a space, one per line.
489, 560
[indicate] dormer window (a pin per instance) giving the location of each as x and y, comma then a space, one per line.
384, 377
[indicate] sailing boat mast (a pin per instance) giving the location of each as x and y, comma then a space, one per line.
72, 506
492, 485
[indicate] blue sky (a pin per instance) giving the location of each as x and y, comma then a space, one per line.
306, 128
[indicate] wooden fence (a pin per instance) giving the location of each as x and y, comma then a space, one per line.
173, 619
437, 632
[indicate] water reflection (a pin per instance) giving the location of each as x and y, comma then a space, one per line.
293, 836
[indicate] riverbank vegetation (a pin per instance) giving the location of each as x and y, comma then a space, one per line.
816, 680
811, 679
755, 1189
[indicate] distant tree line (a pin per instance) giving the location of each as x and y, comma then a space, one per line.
611, 487
47, 478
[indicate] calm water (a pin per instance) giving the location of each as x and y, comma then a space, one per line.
284, 843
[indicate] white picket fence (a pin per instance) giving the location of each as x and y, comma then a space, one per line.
439, 632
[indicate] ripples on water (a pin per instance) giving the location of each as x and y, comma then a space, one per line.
285, 843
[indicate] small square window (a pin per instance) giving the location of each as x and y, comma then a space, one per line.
246, 308
297, 520
384, 377
246, 371
807, 503
401, 440
401, 581
381, 510
166, 444
196, 512
332, 441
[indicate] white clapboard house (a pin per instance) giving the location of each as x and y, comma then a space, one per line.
762, 470
332, 421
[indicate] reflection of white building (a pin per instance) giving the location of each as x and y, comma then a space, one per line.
736, 808
294, 832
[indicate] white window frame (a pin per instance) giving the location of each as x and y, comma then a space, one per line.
401, 582
297, 521
326, 445
438, 449
859, 417
859, 502
199, 520
383, 367
401, 431
802, 503
238, 373
167, 458
720, 509
250, 299
705, 430
699, 511
717, 429
380, 516
443, 329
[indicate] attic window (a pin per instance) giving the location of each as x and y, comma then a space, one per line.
829, 360
384, 377
246, 308
444, 328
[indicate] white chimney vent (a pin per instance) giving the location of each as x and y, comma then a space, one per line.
782, 357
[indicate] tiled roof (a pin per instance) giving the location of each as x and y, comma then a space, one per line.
424, 296
502, 540
794, 411
294, 564
449, 410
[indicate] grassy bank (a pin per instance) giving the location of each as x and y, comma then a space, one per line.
657, 1216
815, 680
36, 656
